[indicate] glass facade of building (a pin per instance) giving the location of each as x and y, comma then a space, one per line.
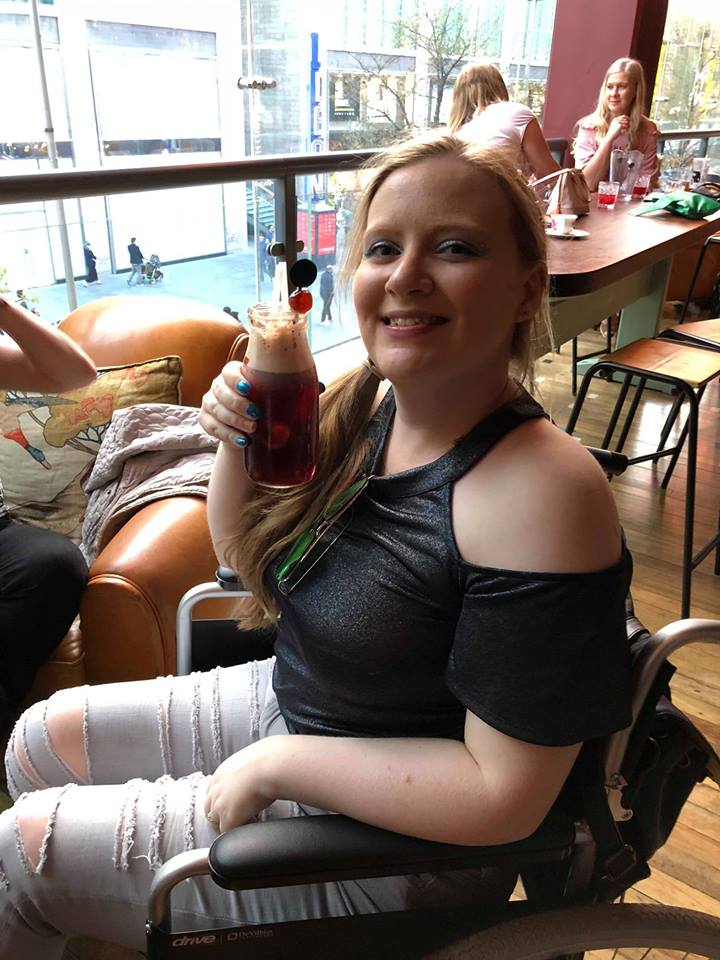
133, 84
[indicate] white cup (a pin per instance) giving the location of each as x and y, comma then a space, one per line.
562, 222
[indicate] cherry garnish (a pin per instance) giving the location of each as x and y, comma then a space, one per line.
301, 301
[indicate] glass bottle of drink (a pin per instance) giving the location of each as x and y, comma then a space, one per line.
281, 372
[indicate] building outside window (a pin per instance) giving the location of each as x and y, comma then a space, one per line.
687, 86
133, 84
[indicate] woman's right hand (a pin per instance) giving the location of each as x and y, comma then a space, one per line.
617, 126
227, 410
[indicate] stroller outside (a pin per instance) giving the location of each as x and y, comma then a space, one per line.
153, 273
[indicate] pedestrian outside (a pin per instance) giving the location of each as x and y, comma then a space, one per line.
136, 263
327, 292
91, 274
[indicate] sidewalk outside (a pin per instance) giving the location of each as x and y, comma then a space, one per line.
221, 281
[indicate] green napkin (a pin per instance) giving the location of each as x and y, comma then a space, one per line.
691, 205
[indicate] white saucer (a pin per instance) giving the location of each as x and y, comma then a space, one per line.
574, 234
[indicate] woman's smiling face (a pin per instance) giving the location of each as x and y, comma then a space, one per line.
619, 93
441, 284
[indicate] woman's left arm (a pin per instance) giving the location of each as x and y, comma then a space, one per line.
537, 151
491, 789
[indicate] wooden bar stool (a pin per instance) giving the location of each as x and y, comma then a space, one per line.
700, 333
688, 370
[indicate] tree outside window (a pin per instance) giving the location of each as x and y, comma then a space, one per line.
687, 87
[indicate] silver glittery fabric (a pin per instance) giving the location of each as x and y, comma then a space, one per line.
391, 633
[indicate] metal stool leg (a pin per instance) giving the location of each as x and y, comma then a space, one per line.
681, 440
631, 414
579, 400
670, 420
574, 366
616, 411
687, 564
700, 259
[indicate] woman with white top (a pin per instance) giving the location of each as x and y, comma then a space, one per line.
483, 113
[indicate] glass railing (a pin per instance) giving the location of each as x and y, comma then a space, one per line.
209, 225
204, 230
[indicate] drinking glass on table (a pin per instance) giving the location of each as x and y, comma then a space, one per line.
699, 169
607, 194
641, 186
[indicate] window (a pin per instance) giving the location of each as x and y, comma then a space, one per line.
687, 87
137, 85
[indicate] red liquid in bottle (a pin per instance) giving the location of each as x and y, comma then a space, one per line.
283, 450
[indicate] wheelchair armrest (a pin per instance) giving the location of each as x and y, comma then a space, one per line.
228, 579
319, 849
612, 463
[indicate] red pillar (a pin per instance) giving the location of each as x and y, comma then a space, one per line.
587, 37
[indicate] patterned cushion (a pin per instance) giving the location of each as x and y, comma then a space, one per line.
48, 443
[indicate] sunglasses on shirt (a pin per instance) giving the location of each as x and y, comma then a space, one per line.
305, 551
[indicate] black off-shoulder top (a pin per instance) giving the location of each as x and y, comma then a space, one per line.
393, 634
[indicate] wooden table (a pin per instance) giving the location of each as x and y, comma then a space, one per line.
623, 265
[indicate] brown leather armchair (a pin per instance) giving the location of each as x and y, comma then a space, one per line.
127, 613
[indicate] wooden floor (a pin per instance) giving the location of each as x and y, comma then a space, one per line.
686, 872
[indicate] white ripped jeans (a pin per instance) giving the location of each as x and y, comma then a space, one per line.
149, 747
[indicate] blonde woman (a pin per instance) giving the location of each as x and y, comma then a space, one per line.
443, 648
482, 113
618, 121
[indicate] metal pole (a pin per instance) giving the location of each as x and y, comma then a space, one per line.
250, 37
52, 155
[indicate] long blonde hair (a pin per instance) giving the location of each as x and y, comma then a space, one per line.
476, 86
602, 116
272, 519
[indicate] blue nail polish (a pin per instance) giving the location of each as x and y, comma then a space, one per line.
243, 387
241, 441
253, 411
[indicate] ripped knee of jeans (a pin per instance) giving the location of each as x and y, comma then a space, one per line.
35, 815
63, 731
66, 731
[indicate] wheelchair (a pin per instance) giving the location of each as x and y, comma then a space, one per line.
573, 868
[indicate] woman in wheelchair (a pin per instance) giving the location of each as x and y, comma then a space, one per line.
448, 634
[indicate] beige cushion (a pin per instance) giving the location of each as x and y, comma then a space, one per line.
48, 443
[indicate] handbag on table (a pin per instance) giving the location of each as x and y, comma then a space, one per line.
570, 194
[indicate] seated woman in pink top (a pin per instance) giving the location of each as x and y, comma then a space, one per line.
481, 112
618, 121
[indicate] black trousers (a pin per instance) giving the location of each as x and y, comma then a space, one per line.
42, 575
327, 303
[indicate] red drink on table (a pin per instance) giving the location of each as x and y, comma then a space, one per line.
607, 194
641, 187
280, 370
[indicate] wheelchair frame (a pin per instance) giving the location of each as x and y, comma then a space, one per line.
328, 848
